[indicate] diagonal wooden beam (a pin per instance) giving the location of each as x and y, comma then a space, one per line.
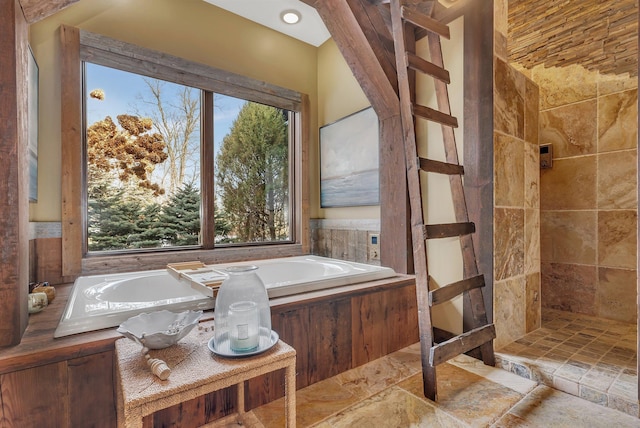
36, 10
345, 20
375, 22
365, 62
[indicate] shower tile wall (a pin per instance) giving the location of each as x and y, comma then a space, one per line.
588, 199
516, 203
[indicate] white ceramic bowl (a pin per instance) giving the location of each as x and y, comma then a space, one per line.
160, 329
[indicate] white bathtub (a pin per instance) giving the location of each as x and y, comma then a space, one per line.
103, 301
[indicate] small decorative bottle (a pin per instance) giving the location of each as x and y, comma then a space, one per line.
242, 315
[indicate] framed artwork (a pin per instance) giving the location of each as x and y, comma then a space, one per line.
349, 161
32, 120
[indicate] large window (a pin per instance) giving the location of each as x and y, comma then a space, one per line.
142, 147
175, 156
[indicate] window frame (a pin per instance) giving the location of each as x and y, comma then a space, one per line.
79, 46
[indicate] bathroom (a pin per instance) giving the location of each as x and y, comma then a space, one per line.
523, 260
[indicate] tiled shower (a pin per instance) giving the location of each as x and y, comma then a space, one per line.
589, 197
573, 326
586, 343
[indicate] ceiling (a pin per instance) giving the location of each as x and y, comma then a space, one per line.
310, 29
600, 35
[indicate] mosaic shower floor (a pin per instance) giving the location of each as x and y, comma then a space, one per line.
591, 358
387, 393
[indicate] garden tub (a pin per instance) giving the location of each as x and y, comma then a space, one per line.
103, 301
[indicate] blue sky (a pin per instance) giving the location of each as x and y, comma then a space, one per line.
123, 90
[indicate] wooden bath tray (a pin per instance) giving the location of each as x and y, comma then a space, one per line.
199, 276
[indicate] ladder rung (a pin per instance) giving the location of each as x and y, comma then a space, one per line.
437, 231
435, 115
426, 67
424, 21
460, 344
448, 292
429, 165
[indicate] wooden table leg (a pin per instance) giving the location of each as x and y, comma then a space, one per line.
241, 399
290, 395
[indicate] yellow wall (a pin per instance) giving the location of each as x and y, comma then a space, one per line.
191, 29
339, 95
445, 256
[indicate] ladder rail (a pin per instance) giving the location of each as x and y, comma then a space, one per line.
404, 23
451, 156
413, 183
470, 263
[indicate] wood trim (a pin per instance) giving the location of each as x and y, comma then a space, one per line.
14, 205
109, 52
207, 169
378, 35
341, 21
396, 249
78, 46
36, 10
349, 24
302, 192
71, 117
478, 138
638, 232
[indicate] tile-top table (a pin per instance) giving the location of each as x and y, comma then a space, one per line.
195, 371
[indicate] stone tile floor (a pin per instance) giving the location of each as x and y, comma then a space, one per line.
387, 393
588, 357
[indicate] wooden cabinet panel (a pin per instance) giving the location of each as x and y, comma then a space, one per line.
187, 414
35, 397
367, 325
91, 391
220, 403
401, 319
330, 339
293, 328
196, 412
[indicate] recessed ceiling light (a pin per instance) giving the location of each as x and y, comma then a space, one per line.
290, 16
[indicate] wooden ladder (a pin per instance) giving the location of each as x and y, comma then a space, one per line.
405, 21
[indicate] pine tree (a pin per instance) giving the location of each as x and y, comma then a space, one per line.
114, 221
252, 173
148, 236
179, 221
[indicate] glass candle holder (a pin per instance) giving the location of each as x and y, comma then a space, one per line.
242, 315
243, 325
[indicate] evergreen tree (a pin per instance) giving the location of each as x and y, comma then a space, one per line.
114, 220
222, 226
148, 236
119, 217
179, 221
252, 173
